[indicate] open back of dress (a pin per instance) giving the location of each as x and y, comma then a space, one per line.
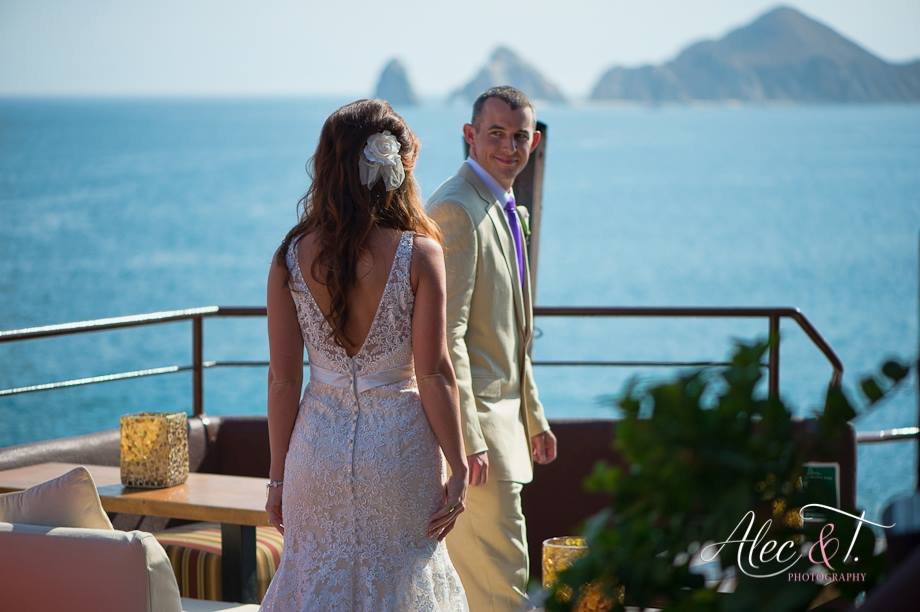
363, 472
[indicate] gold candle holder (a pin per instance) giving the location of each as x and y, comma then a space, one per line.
560, 553
154, 449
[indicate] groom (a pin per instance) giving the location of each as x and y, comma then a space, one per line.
489, 331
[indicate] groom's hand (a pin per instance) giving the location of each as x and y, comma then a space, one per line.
544, 447
479, 468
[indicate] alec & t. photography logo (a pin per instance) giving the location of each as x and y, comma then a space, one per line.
830, 555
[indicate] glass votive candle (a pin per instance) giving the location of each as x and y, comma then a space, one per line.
560, 553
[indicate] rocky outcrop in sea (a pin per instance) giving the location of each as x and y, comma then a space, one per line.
783, 56
505, 67
394, 86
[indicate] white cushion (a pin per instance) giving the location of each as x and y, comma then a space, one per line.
58, 551
70, 500
64, 568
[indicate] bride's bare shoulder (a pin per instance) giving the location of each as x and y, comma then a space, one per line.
427, 249
427, 259
308, 246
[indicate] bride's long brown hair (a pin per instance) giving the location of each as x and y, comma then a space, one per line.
341, 212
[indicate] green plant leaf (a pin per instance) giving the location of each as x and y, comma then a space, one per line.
895, 371
603, 478
838, 410
871, 389
702, 450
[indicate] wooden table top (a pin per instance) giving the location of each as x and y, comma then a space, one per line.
219, 498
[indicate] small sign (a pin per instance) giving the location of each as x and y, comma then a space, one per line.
820, 485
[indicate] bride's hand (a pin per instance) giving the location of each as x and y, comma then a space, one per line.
443, 520
273, 508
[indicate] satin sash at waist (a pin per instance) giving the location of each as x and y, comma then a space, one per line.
364, 381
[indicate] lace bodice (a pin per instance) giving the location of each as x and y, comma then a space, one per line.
389, 339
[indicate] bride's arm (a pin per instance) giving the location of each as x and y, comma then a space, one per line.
433, 368
285, 370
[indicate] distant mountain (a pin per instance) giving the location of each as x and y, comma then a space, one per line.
505, 67
394, 86
783, 55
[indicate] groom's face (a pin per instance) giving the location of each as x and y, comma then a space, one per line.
502, 139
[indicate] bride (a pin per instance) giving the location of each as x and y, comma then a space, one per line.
358, 482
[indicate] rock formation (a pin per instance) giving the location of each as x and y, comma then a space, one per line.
394, 86
783, 55
505, 67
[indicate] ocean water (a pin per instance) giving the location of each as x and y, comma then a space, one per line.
115, 207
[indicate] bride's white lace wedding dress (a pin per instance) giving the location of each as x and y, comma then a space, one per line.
364, 472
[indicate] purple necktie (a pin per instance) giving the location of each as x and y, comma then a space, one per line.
511, 211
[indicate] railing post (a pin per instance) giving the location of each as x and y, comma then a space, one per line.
197, 366
774, 356
528, 191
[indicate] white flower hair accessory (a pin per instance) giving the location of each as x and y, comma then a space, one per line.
381, 161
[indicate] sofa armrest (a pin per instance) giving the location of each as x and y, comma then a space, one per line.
44, 568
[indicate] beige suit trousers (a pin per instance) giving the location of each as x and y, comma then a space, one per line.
488, 546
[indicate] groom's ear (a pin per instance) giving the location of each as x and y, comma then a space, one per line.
537, 137
469, 130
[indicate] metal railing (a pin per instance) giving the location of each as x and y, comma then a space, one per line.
196, 316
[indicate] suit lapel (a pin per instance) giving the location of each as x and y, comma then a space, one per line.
502, 230
503, 233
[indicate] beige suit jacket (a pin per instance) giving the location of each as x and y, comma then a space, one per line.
489, 326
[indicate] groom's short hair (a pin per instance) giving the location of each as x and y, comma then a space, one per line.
512, 96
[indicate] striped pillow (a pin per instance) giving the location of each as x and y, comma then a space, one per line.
194, 551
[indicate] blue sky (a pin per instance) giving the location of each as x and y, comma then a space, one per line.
270, 47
